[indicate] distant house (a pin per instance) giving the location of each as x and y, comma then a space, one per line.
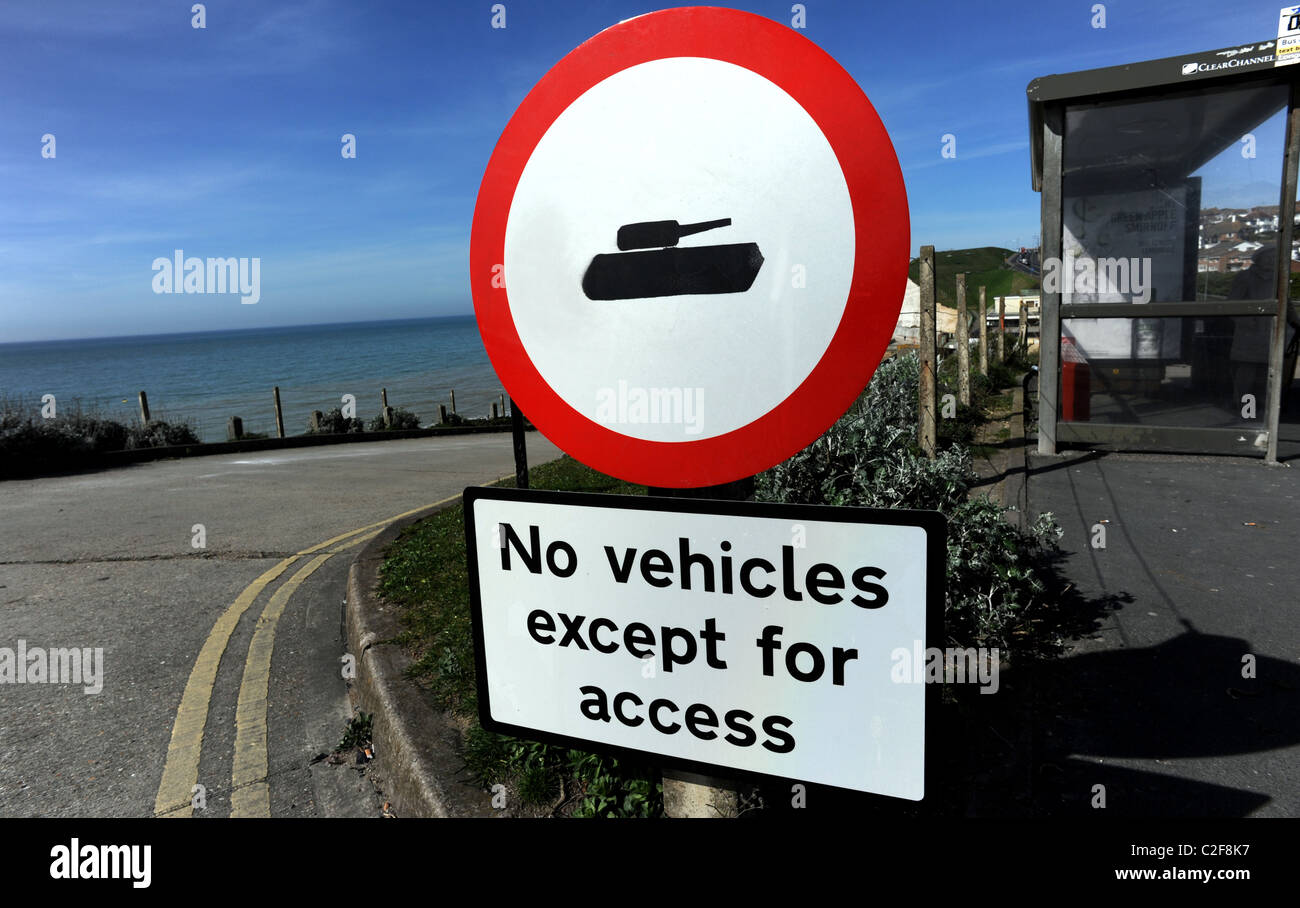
908, 328
1226, 258
1013, 304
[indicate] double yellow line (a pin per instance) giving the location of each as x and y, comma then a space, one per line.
250, 794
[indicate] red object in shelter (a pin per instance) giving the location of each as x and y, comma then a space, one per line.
1076, 384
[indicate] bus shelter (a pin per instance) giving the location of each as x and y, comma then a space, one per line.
1168, 192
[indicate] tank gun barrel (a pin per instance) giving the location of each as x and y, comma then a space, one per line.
656, 234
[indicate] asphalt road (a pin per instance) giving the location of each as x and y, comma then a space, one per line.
1182, 699
221, 664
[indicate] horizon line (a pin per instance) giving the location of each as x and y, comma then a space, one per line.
67, 340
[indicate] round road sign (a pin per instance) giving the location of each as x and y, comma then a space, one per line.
690, 247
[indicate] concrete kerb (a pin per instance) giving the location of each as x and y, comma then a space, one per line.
417, 747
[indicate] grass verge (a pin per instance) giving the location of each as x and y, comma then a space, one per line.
425, 574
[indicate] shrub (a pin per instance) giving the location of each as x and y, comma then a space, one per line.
335, 423
995, 573
602, 786
402, 419
30, 443
158, 433
456, 419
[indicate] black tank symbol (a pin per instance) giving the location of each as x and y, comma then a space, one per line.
670, 271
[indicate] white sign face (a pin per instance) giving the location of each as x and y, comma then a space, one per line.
691, 141
689, 247
1287, 50
773, 639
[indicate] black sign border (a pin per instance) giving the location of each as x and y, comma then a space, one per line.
932, 522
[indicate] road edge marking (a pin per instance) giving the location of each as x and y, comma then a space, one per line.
250, 788
181, 769
250, 795
181, 766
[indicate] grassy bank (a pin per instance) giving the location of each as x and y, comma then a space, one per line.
984, 267
425, 573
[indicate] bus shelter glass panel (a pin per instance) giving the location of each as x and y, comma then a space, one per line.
1186, 371
1169, 199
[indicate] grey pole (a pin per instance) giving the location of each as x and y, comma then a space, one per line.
688, 794
1049, 320
1286, 218
520, 446
279, 415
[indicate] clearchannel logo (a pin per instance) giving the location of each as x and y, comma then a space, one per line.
1235, 63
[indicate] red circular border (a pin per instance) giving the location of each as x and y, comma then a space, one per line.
880, 216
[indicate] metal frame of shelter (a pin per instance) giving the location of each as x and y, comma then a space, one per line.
1196, 77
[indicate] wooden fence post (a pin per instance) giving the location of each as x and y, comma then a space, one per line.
927, 403
984, 335
1002, 329
963, 344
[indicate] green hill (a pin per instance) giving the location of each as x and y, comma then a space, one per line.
985, 266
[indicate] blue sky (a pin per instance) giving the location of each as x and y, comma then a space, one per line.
225, 141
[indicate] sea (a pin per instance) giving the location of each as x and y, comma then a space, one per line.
206, 377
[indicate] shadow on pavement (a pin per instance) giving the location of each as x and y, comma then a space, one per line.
1040, 745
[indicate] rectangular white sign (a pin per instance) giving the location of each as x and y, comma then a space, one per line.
730, 638
1287, 50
